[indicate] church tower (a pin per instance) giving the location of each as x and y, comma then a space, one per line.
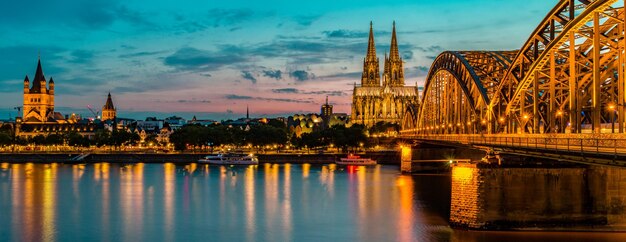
38, 99
371, 72
108, 110
393, 74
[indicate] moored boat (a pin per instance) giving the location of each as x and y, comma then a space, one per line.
356, 160
230, 159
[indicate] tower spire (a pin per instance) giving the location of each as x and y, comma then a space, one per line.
371, 75
247, 112
371, 46
394, 52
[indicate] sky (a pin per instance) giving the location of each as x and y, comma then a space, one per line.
213, 58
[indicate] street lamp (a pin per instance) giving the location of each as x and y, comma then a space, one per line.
525, 117
559, 115
612, 110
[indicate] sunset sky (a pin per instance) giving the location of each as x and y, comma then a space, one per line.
212, 58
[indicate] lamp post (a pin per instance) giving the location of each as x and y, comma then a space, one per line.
525, 117
559, 114
501, 120
612, 110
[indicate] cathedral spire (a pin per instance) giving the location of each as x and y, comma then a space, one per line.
371, 46
394, 53
371, 74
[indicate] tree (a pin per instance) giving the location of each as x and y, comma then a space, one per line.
77, 140
263, 135
54, 139
37, 140
5, 139
151, 138
102, 137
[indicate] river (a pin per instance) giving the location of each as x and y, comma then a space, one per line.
168, 202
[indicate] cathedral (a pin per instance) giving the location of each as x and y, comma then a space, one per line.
373, 101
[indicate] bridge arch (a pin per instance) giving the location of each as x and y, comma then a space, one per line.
458, 90
567, 77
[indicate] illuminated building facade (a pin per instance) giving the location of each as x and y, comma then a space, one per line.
373, 101
39, 117
108, 110
38, 99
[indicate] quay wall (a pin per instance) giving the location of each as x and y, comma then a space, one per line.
387, 157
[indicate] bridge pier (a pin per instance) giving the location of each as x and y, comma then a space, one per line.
543, 196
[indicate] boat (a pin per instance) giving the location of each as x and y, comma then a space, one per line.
355, 160
230, 159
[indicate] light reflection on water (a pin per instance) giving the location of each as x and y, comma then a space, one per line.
167, 202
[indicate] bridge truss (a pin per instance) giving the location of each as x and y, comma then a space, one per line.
568, 77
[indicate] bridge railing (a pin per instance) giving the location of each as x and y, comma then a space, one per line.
576, 143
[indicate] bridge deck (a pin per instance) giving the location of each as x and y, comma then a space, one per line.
606, 149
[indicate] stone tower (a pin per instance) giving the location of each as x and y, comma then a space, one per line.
38, 98
108, 110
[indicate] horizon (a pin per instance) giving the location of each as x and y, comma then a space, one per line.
211, 60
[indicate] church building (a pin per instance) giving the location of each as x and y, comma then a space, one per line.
38, 98
373, 101
39, 117
108, 110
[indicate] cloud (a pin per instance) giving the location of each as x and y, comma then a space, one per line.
248, 75
87, 15
81, 56
140, 54
188, 58
193, 100
342, 33
227, 17
407, 55
242, 97
22, 60
306, 20
301, 75
285, 90
328, 93
430, 49
417, 71
237, 97
275, 74
297, 91
344, 75
230, 19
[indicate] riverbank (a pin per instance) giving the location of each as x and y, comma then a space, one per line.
384, 157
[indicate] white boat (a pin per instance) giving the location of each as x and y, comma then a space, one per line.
230, 159
355, 160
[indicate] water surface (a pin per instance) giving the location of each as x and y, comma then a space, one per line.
167, 202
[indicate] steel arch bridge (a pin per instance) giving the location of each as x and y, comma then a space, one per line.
567, 77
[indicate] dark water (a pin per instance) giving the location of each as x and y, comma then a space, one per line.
167, 202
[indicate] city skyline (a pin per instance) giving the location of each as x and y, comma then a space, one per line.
214, 60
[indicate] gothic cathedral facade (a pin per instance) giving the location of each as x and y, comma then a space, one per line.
373, 101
